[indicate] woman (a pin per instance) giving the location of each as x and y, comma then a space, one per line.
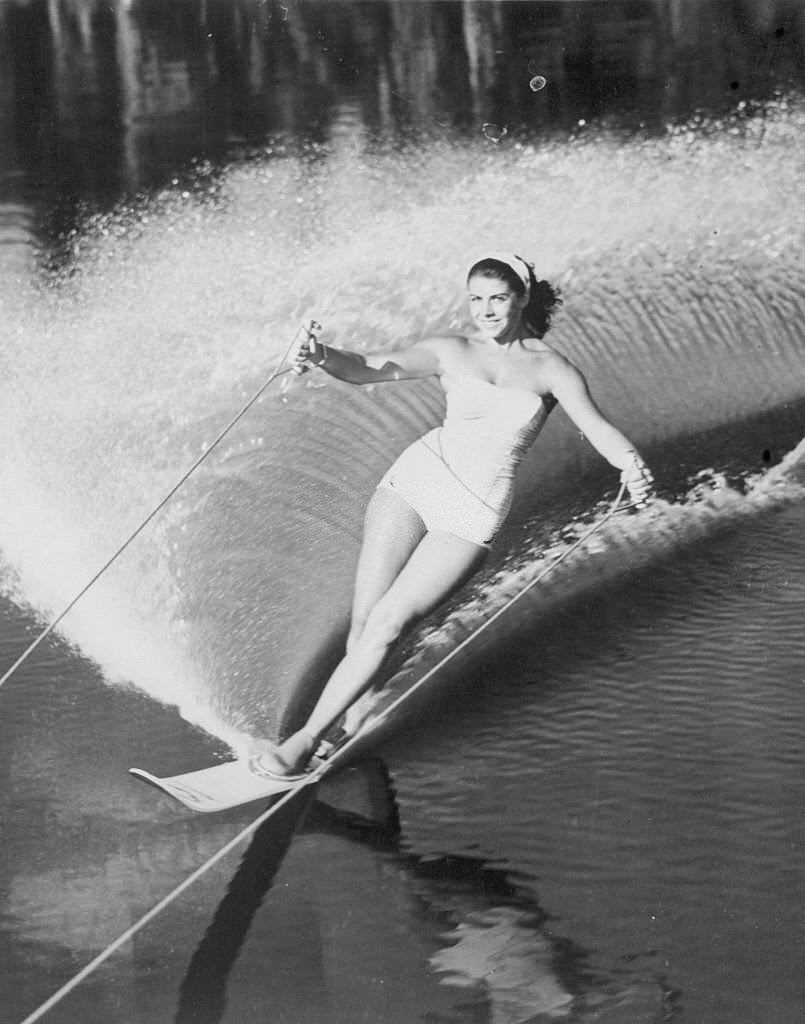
434, 514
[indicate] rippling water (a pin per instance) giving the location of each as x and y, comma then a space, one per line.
643, 764
598, 820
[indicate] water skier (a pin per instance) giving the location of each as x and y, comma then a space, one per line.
435, 512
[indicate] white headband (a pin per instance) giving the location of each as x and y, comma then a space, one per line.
516, 263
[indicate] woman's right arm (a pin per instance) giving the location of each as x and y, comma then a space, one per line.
422, 359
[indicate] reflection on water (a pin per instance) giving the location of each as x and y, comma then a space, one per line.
481, 932
101, 99
447, 935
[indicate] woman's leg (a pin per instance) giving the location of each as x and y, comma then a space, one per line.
439, 565
391, 532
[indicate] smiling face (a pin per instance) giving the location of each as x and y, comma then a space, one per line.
494, 307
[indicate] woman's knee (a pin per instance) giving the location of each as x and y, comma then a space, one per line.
383, 626
356, 628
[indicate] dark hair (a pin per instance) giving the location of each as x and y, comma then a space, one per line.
543, 298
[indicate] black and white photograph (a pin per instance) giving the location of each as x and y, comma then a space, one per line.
402, 511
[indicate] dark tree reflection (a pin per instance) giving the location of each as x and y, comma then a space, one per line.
100, 99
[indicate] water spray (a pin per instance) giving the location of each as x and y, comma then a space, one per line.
300, 339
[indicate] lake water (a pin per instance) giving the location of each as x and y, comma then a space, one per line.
600, 817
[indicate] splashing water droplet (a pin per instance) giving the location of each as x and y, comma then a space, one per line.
494, 132
537, 83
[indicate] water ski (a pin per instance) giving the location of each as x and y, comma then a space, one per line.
226, 785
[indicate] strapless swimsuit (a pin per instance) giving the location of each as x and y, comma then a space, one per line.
459, 477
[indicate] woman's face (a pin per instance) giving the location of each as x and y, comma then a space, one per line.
494, 307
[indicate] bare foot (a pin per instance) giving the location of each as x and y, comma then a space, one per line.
286, 758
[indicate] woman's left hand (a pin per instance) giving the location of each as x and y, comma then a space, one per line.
309, 352
639, 481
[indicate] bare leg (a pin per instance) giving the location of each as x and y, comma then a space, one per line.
391, 532
438, 565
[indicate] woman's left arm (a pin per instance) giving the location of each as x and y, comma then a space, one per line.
570, 388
